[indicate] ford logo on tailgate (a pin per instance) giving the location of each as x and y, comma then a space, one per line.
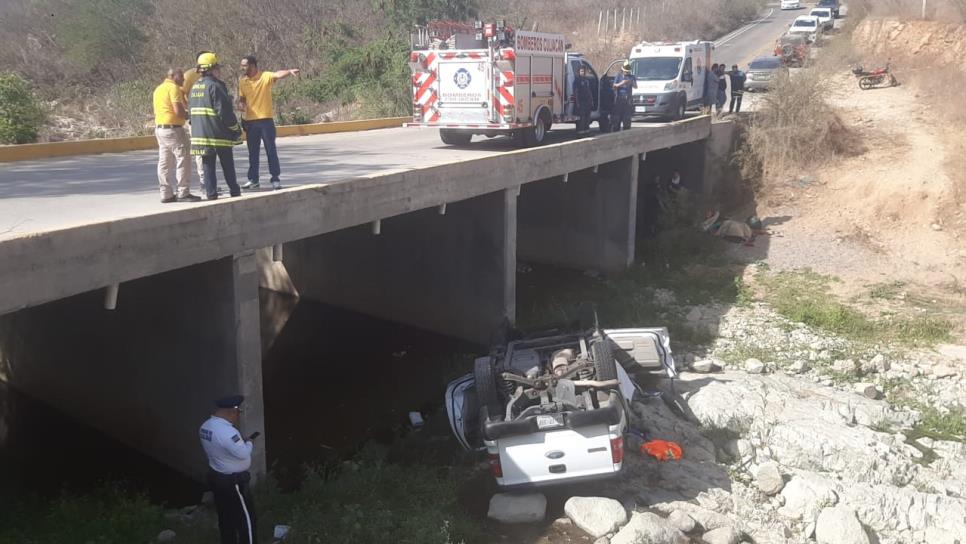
555, 454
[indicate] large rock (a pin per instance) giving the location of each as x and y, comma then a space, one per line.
721, 535
648, 528
705, 366
167, 535
868, 390
769, 479
595, 515
839, 525
682, 521
887, 509
806, 495
517, 508
754, 366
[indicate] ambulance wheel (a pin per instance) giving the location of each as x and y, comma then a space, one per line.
454, 137
679, 108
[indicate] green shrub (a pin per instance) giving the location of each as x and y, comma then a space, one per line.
20, 113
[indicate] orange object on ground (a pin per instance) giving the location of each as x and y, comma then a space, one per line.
663, 450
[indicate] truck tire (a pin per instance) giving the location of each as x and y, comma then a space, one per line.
487, 394
537, 134
604, 362
455, 137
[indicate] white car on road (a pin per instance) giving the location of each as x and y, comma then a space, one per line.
825, 17
791, 4
808, 26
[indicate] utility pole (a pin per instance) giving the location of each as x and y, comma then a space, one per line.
600, 18
923, 9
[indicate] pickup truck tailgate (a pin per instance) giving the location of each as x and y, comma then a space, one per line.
559, 454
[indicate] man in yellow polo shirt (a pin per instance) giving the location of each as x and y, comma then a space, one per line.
255, 99
173, 144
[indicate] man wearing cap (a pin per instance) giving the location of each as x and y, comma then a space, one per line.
229, 458
624, 85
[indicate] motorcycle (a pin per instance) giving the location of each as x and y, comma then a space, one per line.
876, 77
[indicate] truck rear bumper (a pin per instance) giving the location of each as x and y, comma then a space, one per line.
482, 126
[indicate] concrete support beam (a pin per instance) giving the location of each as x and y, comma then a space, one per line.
717, 152
588, 222
453, 273
147, 372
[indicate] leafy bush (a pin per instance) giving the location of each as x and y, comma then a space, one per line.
20, 113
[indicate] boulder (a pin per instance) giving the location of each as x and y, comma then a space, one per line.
705, 366
867, 390
845, 366
682, 521
798, 367
721, 535
805, 496
597, 516
518, 508
839, 525
166, 535
648, 528
754, 366
769, 479
880, 363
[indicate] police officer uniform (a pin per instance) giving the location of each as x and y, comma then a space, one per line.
229, 458
622, 104
584, 101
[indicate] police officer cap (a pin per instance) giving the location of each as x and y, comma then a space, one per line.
233, 401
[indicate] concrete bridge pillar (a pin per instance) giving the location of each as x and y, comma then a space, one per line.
447, 269
587, 221
147, 372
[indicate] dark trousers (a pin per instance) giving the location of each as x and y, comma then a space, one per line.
261, 130
623, 110
735, 102
233, 502
227, 158
583, 112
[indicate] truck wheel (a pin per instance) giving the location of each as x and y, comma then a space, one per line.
454, 137
603, 356
484, 376
537, 134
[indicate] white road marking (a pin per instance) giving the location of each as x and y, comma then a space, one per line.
729, 37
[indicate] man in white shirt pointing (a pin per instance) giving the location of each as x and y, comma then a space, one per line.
229, 458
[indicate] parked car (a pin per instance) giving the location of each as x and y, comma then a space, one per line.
825, 18
761, 73
793, 50
553, 408
808, 26
834, 5
791, 4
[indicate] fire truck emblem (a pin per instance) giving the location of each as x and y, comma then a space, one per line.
462, 78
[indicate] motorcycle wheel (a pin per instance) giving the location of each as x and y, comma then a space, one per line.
866, 83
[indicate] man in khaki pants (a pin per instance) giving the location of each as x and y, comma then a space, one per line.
173, 144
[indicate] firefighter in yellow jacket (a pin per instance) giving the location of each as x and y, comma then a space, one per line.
214, 126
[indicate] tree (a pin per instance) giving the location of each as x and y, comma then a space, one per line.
103, 37
20, 113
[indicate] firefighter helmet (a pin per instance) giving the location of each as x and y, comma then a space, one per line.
207, 61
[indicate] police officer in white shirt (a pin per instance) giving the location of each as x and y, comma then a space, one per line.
229, 458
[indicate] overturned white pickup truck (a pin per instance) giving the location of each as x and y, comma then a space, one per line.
554, 408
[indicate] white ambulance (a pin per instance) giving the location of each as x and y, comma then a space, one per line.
490, 79
670, 77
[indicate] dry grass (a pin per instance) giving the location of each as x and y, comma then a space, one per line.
795, 129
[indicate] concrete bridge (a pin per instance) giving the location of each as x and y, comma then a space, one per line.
428, 237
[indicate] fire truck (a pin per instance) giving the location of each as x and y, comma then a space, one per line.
492, 80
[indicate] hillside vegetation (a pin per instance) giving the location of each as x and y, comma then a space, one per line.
93, 63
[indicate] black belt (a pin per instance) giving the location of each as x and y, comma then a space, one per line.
170, 126
216, 477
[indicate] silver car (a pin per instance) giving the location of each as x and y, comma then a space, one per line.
762, 72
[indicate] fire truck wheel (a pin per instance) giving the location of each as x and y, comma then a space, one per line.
455, 137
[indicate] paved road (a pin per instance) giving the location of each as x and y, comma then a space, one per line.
38, 196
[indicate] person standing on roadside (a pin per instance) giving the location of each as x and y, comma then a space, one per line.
173, 145
624, 85
229, 458
214, 127
710, 87
737, 88
255, 99
584, 101
722, 95
191, 75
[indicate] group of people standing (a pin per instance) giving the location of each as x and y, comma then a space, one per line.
200, 97
716, 85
